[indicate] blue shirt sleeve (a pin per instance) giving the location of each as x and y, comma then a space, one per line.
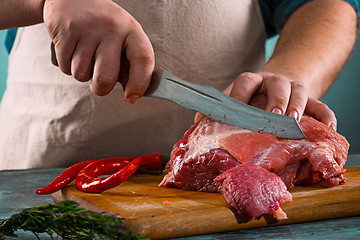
10, 38
276, 12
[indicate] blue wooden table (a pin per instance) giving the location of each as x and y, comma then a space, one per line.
17, 191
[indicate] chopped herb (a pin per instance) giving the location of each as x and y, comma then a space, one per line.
66, 220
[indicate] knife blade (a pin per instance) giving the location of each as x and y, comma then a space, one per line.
220, 107
213, 103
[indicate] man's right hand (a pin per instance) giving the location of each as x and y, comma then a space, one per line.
91, 35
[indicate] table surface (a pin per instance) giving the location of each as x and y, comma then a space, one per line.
17, 191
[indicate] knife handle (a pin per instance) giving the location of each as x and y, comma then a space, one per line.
53, 55
124, 66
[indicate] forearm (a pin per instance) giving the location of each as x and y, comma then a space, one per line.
314, 44
18, 13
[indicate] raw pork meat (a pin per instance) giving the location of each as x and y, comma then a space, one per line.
257, 190
210, 148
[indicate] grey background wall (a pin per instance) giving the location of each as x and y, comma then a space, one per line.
343, 97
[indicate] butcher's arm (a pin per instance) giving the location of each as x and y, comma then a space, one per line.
312, 48
90, 37
314, 44
19, 13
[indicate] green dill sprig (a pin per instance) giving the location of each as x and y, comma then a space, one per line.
66, 220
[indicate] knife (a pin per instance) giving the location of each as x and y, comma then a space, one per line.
214, 104
220, 107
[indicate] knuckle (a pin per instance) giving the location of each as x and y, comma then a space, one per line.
81, 76
132, 23
299, 86
58, 38
280, 100
249, 78
111, 25
103, 81
70, 28
279, 79
298, 103
248, 75
143, 55
145, 59
64, 32
126, 25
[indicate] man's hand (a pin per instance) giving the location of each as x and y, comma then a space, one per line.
91, 35
284, 96
312, 49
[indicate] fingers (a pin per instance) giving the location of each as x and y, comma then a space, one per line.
292, 99
140, 54
321, 112
244, 86
90, 39
278, 90
106, 68
82, 61
285, 96
64, 50
297, 102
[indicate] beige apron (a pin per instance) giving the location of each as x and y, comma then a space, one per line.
48, 119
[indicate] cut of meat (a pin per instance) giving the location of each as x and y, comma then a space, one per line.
323, 153
253, 191
199, 175
209, 148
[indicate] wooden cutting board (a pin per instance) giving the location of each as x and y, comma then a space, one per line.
158, 212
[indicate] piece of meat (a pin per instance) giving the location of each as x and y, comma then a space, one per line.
209, 148
199, 175
253, 191
288, 174
323, 148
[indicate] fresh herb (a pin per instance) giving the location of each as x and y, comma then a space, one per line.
66, 220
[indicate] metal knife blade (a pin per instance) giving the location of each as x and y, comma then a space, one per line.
218, 106
213, 103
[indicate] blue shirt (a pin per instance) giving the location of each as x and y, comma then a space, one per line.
275, 13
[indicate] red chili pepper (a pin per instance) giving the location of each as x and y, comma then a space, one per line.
152, 164
87, 180
64, 178
67, 176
